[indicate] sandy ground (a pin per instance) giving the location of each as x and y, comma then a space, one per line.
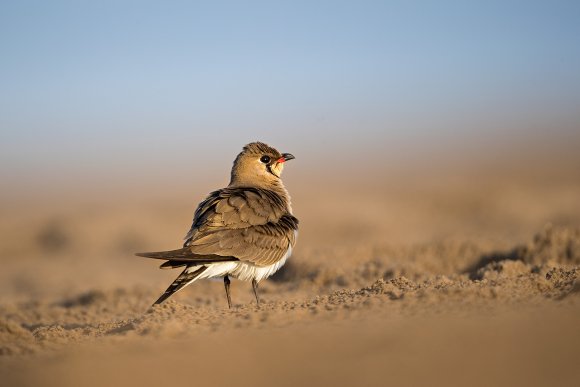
449, 276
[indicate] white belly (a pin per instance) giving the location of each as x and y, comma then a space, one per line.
244, 271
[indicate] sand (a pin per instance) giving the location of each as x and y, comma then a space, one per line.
437, 279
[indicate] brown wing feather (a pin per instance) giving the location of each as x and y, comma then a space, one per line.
250, 224
262, 245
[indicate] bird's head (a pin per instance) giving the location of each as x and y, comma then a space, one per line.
258, 165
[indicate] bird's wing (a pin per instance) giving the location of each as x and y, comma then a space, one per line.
236, 208
262, 245
250, 224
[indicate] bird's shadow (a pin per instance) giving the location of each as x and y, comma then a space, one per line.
291, 272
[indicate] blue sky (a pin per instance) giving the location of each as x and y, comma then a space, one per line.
136, 84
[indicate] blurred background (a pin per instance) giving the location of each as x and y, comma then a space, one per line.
410, 122
433, 140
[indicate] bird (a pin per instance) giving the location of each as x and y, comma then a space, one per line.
245, 231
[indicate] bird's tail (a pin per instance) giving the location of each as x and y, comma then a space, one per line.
184, 256
189, 275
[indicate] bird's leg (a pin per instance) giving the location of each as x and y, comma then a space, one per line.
227, 286
255, 286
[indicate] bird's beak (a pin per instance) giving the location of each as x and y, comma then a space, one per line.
285, 157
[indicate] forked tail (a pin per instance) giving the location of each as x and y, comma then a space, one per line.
184, 279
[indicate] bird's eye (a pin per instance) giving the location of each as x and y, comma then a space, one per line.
265, 159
